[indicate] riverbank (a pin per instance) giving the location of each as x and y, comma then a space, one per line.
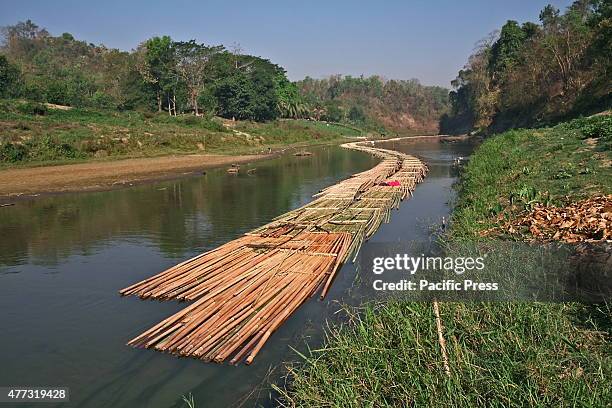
507, 353
106, 175
59, 150
33, 135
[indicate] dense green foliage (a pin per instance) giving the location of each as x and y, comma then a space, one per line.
188, 77
500, 353
161, 74
537, 74
9, 78
375, 102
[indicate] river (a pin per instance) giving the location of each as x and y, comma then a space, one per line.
64, 257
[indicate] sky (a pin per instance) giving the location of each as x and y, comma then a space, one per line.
428, 40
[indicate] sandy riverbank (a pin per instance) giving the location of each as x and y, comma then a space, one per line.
95, 176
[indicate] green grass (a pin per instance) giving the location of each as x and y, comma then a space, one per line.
500, 353
31, 134
514, 170
346, 130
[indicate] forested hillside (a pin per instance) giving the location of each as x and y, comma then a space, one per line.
536, 74
397, 105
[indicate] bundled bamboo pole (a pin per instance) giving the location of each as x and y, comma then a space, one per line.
242, 291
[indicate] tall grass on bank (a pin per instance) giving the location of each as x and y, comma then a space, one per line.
500, 354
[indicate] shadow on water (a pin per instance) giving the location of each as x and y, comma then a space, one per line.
63, 258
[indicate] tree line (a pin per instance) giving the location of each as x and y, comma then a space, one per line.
536, 74
161, 74
176, 77
393, 104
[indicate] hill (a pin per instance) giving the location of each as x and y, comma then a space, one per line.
397, 105
537, 74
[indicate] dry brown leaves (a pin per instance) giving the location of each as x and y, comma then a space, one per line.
588, 220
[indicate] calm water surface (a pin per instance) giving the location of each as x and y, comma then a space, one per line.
63, 258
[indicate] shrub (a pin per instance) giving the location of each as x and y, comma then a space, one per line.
593, 127
214, 125
6, 105
333, 113
102, 100
600, 126
32, 108
12, 153
191, 120
48, 148
356, 114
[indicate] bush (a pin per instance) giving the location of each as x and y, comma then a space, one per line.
33, 91
190, 120
12, 153
215, 126
6, 106
600, 126
58, 92
593, 127
48, 148
333, 113
32, 108
102, 100
356, 114
65, 150
203, 122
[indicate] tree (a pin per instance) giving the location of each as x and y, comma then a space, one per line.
549, 17
264, 100
233, 94
565, 40
356, 114
192, 60
397, 104
24, 30
538, 74
248, 87
157, 66
9, 78
290, 103
333, 112
505, 51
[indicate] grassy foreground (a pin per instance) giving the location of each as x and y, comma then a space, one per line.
500, 353
32, 134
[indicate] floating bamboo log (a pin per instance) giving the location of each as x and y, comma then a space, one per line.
242, 291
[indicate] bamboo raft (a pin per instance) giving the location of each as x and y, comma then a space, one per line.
242, 291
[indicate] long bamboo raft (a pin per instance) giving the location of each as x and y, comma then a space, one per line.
242, 291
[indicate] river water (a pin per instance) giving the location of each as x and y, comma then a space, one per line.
64, 257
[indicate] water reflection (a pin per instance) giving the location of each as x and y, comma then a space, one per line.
175, 216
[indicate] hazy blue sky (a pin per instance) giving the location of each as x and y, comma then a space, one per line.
428, 40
